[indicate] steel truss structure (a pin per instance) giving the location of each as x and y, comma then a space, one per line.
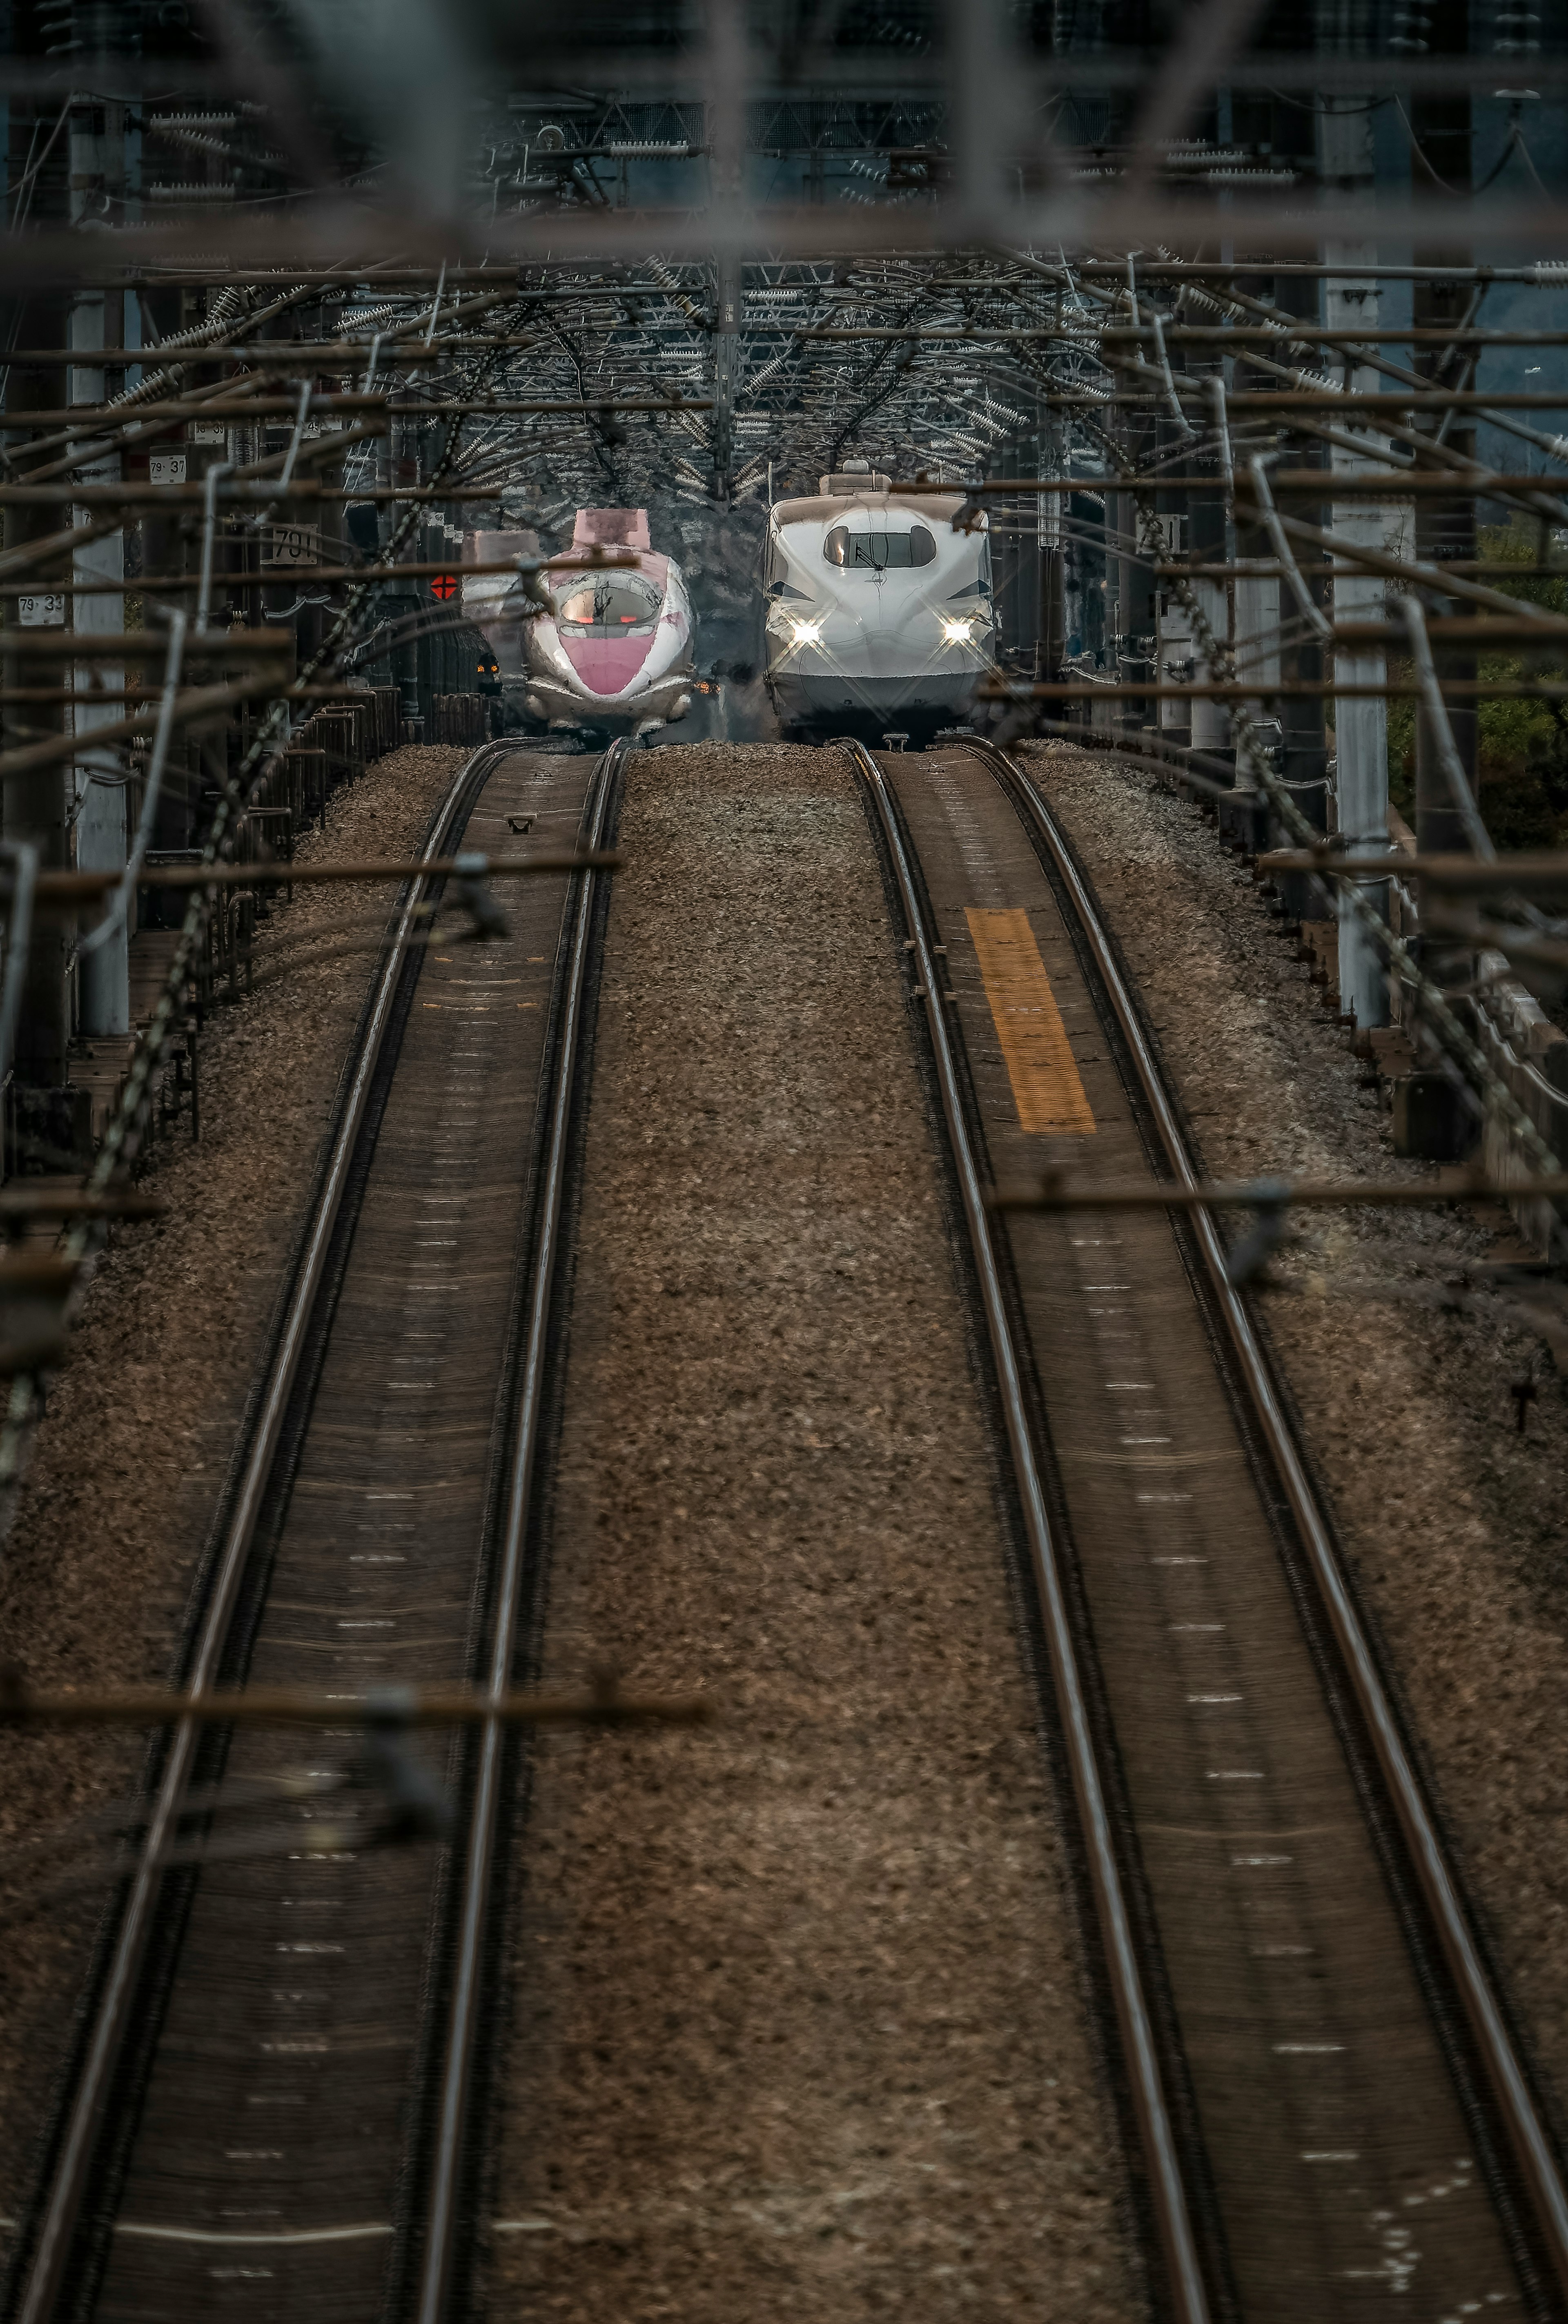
1243, 332
1243, 329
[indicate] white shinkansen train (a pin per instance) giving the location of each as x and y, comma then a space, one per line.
879, 613
613, 651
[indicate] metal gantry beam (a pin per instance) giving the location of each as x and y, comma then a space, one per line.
1124, 297
682, 273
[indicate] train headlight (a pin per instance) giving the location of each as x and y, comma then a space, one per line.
805, 634
955, 633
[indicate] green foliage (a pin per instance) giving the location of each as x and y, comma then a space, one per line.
1522, 752
1522, 744
1519, 543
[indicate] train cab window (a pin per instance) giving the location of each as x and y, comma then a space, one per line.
879, 551
610, 605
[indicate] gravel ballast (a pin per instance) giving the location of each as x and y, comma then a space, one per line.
127, 1463
797, 2024
1401, 1371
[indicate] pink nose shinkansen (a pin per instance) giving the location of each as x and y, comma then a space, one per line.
613, 651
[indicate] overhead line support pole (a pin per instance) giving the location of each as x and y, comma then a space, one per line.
1445, 530
1361, 726
37, 799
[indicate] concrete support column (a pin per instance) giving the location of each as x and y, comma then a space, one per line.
1435, 1122
1302, 717
1257, 604
408, 661
1256, 627
1361, 750
100, 795
727, 368
1172, 625
1208, 542
1050, 541
38, 801
1175, 665
1445, 528
1361, 726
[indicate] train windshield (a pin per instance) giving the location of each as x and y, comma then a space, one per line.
880, 550
609, 605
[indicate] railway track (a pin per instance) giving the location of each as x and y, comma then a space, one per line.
1326, 2098
274, 2097
272, 2103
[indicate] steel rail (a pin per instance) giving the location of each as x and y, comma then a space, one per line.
1167, 2190
89, 2099
1511, 2093
444, 2184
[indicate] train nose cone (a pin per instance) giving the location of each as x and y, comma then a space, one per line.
607, 666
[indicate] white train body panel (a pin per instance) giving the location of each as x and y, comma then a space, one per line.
614, 652
878, 611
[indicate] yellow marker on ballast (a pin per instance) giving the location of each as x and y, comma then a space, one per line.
1039, 1056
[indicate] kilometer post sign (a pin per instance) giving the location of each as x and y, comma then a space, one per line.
286, 545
